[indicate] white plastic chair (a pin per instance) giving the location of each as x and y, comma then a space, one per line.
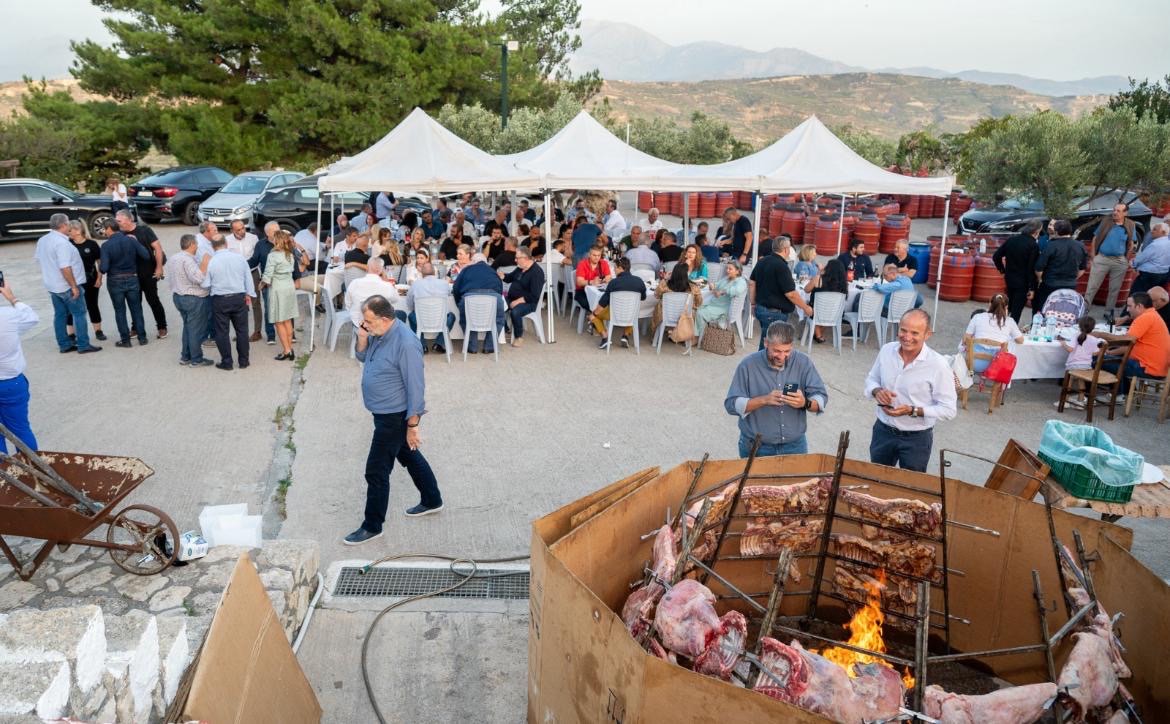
715, 272
869, 311
735, 315
393, 274
569, 278
827, 310
638, 269
674, 305
430, 315
900, 303
335, 320
352, 274
480, 310
536, 317
668, 267
623, 312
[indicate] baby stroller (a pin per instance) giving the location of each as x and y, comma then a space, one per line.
1066, 306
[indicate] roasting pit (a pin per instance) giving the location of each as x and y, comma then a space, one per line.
582, 658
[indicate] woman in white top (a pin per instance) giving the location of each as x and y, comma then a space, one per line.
994, 324
119, 199
413, 271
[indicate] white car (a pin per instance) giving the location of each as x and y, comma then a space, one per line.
235, 200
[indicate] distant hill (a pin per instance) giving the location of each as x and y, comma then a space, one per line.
760, 110
624, 52
12, 92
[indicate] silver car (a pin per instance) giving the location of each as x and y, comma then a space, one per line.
235, 200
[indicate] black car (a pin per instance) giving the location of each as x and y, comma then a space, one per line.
27, 203
1010, 215
294, 205
175, 193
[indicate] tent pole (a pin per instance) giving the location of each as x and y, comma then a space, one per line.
942, 253
313, 306
686, 218
548, 278
840, 224
755, 257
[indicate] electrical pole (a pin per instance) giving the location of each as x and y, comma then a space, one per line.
504, 48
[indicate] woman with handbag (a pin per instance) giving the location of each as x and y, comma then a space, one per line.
995, 324
678, 281
717, 307
830, 279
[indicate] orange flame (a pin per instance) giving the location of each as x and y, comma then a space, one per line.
865, 631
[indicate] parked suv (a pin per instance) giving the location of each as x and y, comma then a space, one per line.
175, 193
1010, 215
27, 203
294, 206
234, 201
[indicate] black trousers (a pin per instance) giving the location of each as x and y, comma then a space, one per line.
149, 286
1017, 299
388, 445
231, 309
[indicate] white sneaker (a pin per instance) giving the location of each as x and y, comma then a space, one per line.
625, 342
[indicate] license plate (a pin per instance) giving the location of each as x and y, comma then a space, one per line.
146, 193
216, 219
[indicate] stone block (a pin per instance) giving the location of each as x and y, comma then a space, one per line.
301, 557
205, 603
140, 588
174, 655
277, 579
67, 572
169, 598
34, 688
222, 553
16, 593
197, 627
75, 635
216, 576
133, 650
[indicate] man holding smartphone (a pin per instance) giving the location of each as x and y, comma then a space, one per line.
16, 318
772, 392
914, 388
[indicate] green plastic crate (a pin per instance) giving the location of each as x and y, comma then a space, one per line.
1084, 483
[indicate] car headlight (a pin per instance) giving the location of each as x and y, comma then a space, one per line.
1007, 224
241, 210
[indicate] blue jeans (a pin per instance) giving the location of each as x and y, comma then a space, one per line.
1133, 368
124, 291
908, 450
517, 313
767, 315
489, 342
388, 445
196, 314
799, 446
64, 306
14, 411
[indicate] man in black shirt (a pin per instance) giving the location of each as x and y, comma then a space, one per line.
623, 282
856, 261
1016, 260
499, 222
451, 244
121, 255
495, 245
1061, 263
772, 289
527, 284
906, 264
507, 257
669, 251
150, 269
740, 243
535, 242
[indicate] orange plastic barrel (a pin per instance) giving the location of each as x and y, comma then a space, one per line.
645, 200
676, 204
775, 218
910, 208
958, 276
706, 209
810, 228
956, 241
695, 204
869, 230
895, 227
792, 223
826, 235
723, 199
987, 281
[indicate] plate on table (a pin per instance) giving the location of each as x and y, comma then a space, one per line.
1151, 474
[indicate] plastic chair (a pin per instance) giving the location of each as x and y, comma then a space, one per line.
623, 312
569, 278
735, 316
335, 320
430, 315
674, 305
1148, 388
352, 274
668, 267
900, 303
715, 272
1097, 377
644, 271
481, 317
976, 351
536, 317
827, 310
869, 311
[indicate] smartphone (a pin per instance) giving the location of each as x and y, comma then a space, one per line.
1, 278
790, 388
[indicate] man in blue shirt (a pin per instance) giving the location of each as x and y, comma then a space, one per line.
1153, 261
432, 227
891, 282
393, 390
232, 291
119, 264
585, 235
479, 278
1112, 243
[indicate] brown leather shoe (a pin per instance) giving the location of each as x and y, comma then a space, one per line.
255, 337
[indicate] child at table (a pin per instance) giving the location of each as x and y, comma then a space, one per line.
1081, 354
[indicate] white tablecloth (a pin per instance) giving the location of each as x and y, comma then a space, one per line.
1038, 360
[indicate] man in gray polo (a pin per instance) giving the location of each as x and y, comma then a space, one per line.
772, 392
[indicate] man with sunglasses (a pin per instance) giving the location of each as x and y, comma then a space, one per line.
392, 390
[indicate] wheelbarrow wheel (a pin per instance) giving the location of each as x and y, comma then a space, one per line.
145, 540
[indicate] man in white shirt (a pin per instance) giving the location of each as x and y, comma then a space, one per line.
384, 205
615, 223
207, 231
425, 287
243, 242
461, 220
63, 273
640, 253
653, 223
15, 319
362, 288
307, 240
914, 388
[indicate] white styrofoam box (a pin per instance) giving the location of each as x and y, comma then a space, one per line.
213, 513
238, 530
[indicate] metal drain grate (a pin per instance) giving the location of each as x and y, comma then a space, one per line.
412, 581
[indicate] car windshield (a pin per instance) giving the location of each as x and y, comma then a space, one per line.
245, 185
1021, 203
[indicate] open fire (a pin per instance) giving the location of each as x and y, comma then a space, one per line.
865, 631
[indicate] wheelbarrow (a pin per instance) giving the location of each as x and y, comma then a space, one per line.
62, 497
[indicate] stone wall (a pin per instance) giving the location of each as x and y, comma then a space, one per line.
87, 640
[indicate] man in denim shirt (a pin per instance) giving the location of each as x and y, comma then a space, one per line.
758, 397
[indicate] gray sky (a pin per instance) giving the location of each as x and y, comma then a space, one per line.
1057, 39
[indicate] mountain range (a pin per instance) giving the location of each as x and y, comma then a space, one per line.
625, 52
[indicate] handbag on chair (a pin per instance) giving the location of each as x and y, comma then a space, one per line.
1000, 369
718, 340
684, 331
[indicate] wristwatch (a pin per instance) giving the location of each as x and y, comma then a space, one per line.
808, 404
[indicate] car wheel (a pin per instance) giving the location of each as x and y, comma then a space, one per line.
97, 222
191, 213
289, 227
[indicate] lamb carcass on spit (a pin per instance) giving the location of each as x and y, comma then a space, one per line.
897, 594
904, 513
911, 557
810, 681
1089, 678
762, 538
688, 625
720, 508
638, 610
811, 496
1102, 625
1013, 705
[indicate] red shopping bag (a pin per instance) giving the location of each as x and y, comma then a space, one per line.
1001, 368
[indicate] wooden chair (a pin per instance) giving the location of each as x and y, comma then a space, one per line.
1098, 378
1148, 388
974, 354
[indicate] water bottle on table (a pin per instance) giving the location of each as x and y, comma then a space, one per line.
1037, 325
1050, 328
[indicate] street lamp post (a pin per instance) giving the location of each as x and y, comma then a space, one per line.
507, 45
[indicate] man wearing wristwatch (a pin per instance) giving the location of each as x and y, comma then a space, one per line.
392, 390
914, 388
772, 392
16, 318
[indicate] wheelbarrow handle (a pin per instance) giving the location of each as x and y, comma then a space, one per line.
55, 480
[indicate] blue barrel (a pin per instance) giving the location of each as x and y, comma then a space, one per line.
921, 254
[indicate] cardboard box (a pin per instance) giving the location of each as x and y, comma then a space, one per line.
246, 670
585, 667
192, 546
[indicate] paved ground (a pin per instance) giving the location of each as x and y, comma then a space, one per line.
508, 441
